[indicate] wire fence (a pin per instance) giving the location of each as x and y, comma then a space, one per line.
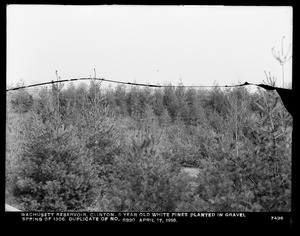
141, 84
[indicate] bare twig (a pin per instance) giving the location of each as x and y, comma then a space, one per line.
281, 58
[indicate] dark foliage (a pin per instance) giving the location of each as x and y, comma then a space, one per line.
21, 101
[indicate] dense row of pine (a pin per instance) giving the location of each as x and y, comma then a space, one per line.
123, 149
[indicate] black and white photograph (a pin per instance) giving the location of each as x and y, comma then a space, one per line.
148, 113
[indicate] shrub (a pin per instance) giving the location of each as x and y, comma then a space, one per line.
21, 101
55, 171
143, 180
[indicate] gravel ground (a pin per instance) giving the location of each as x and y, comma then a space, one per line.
10, 208
193, 172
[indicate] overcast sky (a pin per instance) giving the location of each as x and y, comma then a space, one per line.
147, 44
